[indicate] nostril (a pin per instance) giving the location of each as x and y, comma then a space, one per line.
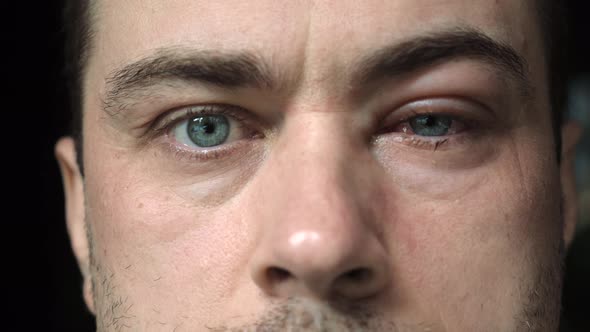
355, 284
277, 274
359, 275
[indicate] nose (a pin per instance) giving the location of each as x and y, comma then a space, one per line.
313, 263
319, 235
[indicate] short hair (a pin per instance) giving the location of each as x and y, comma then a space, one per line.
78, 38
78, 41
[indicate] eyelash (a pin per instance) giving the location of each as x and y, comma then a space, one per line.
424, 142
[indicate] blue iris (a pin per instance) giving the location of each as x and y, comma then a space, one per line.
208, 130
431, 125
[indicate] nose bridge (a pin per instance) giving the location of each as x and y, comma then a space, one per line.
317, 222
315, 162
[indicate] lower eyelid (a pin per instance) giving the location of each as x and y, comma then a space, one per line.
186, 153
427, 144
432, 143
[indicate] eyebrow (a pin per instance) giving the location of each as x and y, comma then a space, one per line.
233, 70
442, 46
177, 64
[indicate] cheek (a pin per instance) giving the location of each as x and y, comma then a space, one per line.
163, 247
458, 240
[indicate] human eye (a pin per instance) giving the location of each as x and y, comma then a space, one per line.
207, 132
435, 123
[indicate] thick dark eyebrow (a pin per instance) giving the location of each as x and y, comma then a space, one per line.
433, 48
225, 70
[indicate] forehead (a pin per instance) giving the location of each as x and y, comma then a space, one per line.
321, 34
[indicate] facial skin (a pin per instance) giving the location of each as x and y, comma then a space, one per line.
323, 210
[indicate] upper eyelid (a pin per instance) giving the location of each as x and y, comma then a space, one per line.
187, 112
456, 107
443, 102
470, 113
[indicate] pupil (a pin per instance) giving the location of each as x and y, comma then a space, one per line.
209, 128
430, 121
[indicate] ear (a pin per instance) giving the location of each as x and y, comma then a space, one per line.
73, 183
570, 135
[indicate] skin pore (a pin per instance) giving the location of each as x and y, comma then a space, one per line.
326, 207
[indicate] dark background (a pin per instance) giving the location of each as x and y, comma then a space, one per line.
44, 285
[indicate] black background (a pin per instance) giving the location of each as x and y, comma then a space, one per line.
43, 290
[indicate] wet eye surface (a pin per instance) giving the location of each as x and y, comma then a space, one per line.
208, 130
431, 125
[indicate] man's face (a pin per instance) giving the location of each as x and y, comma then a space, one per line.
362, 165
